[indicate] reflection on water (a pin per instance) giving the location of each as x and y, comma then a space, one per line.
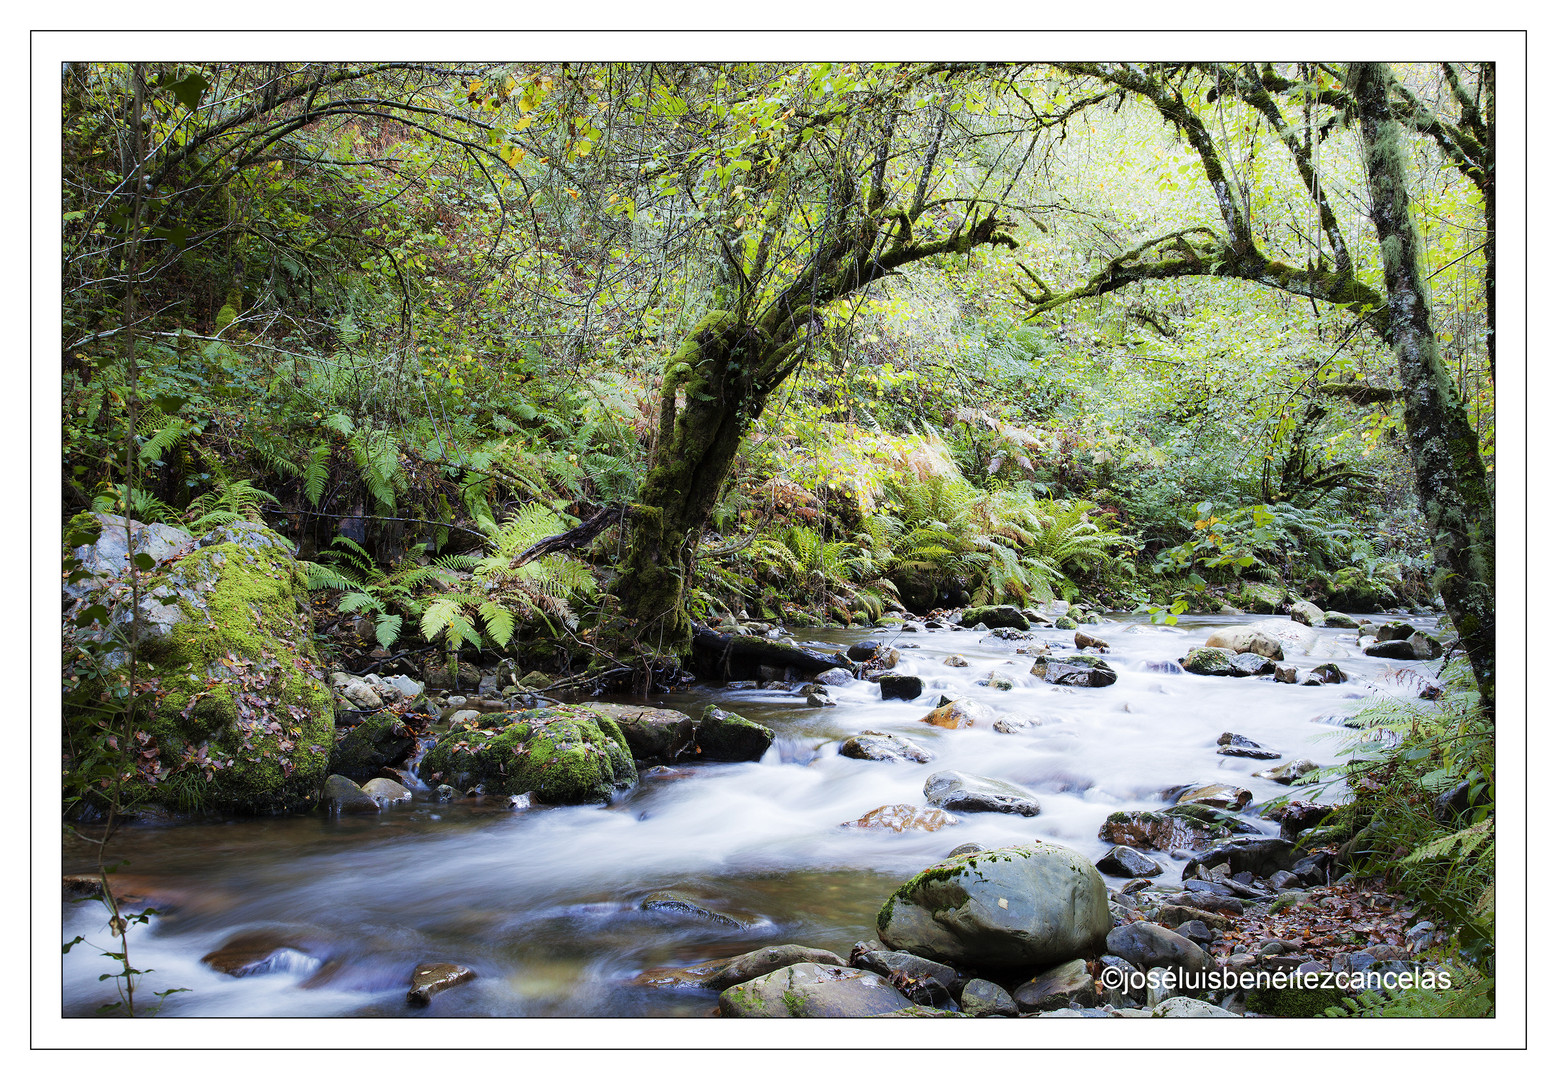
547, 906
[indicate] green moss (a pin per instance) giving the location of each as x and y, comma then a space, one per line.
1293, 1001
239, 684
565, 755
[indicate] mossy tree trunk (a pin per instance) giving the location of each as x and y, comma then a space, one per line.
852, 225
1451, 480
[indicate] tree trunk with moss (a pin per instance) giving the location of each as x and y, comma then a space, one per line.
1451, 480
715, 387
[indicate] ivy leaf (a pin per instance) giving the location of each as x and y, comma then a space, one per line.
189, 89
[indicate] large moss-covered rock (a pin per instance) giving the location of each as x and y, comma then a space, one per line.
728, 736
1025, 906
242, 720
563, 755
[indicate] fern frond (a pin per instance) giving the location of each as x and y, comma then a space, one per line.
499, 622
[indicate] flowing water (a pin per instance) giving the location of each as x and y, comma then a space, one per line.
545, 905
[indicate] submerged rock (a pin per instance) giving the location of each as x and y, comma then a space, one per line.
901, 817
257, 952
683, 905
430, 979
721, 974
1031, 905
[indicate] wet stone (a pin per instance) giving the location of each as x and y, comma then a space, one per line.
901, 687
1075, 670
1217, 796
430, 979
980, 997
901, 817
259, 952
1126, 862
880, 746
1057, 988
978, 794
680, 905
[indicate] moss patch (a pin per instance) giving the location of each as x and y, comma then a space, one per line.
242, 722
565, 755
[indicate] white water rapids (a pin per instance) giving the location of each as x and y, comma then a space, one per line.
544, 904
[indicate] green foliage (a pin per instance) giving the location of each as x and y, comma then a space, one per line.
1409, 754
388, 597
505, 588
1455, 991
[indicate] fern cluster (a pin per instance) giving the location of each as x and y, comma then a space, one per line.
1439, 852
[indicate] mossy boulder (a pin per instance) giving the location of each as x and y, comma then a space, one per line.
1208, 660
1031, 905
564, 755
242, 721
727, 736
1261, 599
377, 741
1352, 590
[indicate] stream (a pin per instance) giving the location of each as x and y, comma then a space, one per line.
545, 904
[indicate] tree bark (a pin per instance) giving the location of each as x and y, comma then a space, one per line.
1451, 480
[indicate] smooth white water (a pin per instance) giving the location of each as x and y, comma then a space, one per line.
544, 904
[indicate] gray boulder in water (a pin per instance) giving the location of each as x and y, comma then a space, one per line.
1033, 905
